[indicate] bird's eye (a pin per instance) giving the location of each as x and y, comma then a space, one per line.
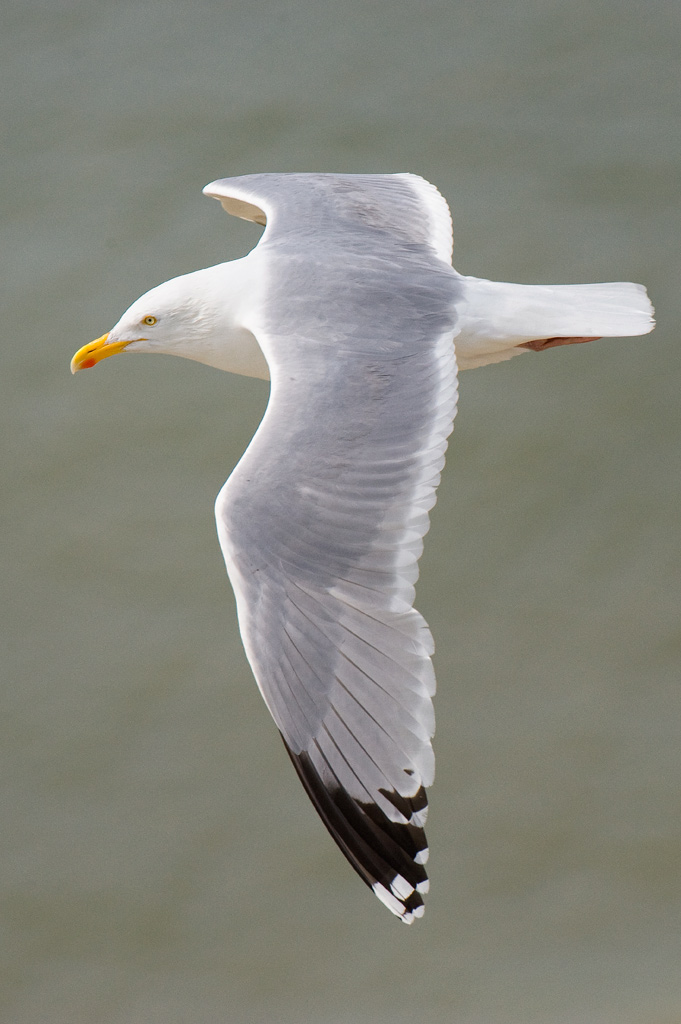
149, 321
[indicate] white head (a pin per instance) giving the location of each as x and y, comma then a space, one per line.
196, 316
171, 318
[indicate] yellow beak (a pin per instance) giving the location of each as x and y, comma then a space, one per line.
90, 355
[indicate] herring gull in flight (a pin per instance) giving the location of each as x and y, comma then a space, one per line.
350, 305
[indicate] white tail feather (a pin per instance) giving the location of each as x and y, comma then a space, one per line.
496, 317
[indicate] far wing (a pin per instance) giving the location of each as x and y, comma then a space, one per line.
342, 208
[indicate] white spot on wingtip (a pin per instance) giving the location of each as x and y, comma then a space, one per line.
401, 887
388, 899
394, 904
422, 856
418, 818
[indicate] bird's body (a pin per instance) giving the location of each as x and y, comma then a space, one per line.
350, 305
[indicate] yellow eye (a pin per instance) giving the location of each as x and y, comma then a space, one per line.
149, 321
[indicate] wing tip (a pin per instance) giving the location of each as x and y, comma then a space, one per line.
389, 856
407, 909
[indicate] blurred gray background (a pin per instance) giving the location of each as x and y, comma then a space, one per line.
160, 861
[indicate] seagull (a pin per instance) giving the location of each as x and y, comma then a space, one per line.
350, 306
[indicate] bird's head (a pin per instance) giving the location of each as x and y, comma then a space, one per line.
198, 316
173, 318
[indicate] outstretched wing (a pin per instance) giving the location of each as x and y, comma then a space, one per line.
322, 521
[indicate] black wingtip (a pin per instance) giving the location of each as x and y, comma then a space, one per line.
388, 856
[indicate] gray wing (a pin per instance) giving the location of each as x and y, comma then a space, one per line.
321, 523
345, 209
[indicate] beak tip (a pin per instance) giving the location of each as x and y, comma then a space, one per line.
90, 355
